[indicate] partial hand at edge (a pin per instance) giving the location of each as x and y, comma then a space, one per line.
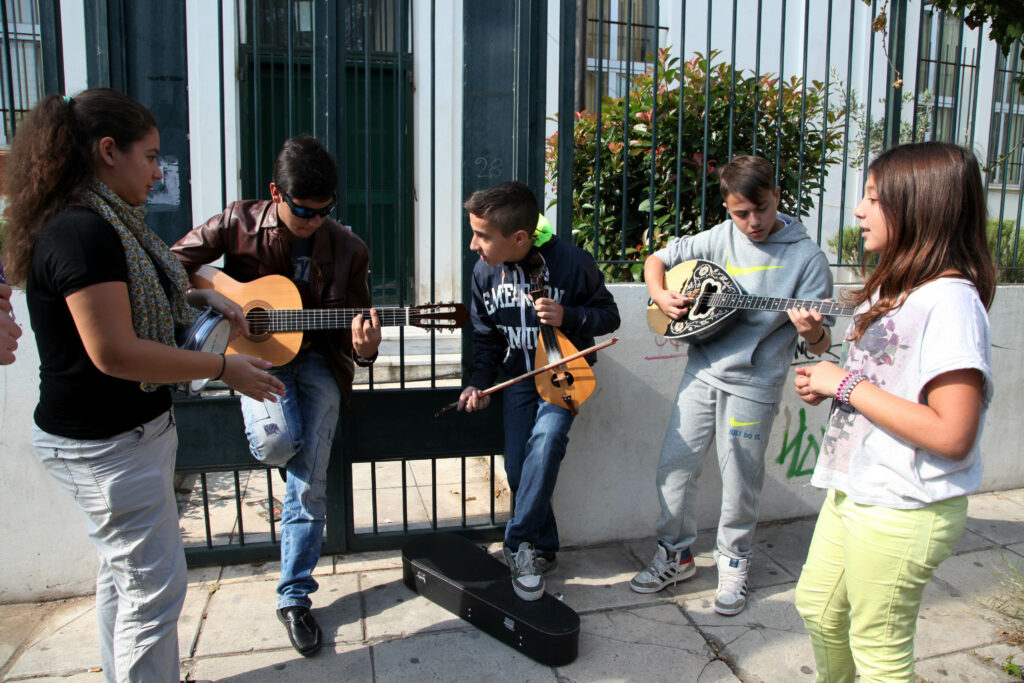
246, 375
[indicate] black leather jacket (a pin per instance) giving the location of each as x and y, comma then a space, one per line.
255, 244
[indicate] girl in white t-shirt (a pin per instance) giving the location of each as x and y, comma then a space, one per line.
901, 450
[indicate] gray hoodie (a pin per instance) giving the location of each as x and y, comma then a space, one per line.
752, 357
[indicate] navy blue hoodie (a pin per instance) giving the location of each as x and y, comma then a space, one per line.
505, 324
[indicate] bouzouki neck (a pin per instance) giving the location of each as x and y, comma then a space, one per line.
770, 303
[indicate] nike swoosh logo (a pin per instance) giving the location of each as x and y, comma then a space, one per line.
734, 423
733, 270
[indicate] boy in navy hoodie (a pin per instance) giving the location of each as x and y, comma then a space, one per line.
506, 318
730, 390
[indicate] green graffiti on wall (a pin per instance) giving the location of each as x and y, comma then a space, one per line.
802, 449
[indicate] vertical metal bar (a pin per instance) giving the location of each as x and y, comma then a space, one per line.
256, 133
824, 120
803, 114
894, 99
206, 510
405, 495
8, 71
954, 124
867, 100
433, 194
291, 69
625, 129
782, 90
1007, 143
846, 134
270, 505
598, 128
940, 18
757, 77
223, 112
680, 114
732, 80
707, 126
400, 227
654, 132
977, 80
462, 460
566, 116
51, 46
238, 509
917, 73
373, 495
367, 163
433, 493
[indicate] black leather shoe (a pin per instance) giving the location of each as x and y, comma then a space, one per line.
302, 629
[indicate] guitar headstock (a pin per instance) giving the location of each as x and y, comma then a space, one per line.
442, 316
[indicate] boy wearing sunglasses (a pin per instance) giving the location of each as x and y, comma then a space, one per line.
292, 234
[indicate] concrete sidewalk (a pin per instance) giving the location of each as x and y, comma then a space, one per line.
376, 629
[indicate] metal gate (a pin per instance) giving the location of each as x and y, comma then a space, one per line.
648, 97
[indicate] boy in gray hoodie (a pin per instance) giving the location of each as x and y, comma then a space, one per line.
732, 384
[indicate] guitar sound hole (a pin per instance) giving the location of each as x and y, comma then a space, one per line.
703, 298
259, 322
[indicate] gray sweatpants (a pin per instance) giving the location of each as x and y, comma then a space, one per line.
740, 428
124, 485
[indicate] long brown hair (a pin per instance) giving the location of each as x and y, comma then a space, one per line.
52, 157
931, 196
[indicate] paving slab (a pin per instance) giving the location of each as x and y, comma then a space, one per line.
193, 612
250, 607
269, 570
942, 616
392, 610
339, 662
786, 544
18, 623
996, 655
997, 516
960, 667
766, 641
452, 656
66, 642
979, 580
592, 579
650, 643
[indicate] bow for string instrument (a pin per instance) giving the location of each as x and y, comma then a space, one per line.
569, 382
532, 373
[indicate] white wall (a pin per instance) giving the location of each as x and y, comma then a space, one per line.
606, 488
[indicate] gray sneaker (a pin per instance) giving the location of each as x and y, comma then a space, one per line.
731, 596
665, 569
546, 566
527, 579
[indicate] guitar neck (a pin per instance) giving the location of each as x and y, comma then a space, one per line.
771, 303
295, 320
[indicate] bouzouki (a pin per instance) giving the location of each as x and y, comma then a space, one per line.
273, 307
716, 300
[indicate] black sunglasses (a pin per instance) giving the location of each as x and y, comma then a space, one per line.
305, 212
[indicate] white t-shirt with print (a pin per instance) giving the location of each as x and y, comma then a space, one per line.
941, 327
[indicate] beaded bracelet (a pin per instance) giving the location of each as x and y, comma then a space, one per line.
845, 387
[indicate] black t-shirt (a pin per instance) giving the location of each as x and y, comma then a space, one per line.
76, 249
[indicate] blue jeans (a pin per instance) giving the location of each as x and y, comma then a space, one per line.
536, 435
123, 484
297, 433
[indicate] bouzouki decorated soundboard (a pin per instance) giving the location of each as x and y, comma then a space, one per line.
716, 300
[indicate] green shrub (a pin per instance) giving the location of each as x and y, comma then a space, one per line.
1007, 247
622, 223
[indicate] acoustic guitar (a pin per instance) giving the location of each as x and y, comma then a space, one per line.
273, 307
716, 300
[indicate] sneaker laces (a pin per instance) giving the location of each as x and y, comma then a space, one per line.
732, 581
525, 560
659, 563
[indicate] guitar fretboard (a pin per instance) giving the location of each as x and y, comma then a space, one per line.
771, 303
294, 320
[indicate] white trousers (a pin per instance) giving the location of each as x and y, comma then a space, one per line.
124, 485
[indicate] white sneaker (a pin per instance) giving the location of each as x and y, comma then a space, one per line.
527, 580
666, 568
731, 596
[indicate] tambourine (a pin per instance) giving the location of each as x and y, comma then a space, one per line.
210, 332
